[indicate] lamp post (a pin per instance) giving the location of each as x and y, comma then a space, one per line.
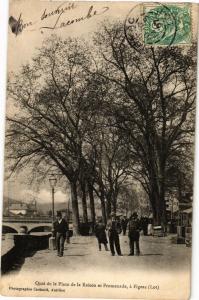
53, 182
106, 216
68, 216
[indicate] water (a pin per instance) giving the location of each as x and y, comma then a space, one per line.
7, 243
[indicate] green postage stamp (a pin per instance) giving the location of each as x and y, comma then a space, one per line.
167, 24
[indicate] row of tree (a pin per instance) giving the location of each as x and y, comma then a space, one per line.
103, 115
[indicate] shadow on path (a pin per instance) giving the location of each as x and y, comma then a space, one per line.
75, 243
152, 254
75, 254
15, 261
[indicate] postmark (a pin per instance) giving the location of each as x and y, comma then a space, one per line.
167, 24
158, 24
133, 27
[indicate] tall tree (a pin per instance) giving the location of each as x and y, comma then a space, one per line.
157, 87
51, 95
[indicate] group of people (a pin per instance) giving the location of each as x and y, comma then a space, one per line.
114, 227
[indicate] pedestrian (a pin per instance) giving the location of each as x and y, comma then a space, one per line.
100, 233
134, 233
68, 233
61, 229
68, 236
144, 223
114, 229
150, 227
124, 223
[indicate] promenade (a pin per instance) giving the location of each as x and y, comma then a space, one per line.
157, 253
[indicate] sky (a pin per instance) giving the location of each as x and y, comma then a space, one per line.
23, 46
19, 190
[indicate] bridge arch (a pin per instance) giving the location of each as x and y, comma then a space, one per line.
8, 229
41, 228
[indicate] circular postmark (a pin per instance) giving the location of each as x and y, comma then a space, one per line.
133, 27
158, 24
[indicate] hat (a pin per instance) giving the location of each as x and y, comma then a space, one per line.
134, 215
59, 214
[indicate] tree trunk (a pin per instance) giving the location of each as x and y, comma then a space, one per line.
155, 203
103, 206
162, 195
151, 200
92, 203
158, 205
84, 203
114, 206
75, 209
114, 202
163, 206
108, 208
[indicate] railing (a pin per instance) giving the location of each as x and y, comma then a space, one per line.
29, 219
35, 219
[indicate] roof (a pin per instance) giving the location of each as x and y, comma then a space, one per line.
187, 211
18, 206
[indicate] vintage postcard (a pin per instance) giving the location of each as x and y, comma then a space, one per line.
99, 149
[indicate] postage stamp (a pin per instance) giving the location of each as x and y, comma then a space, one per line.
167, 24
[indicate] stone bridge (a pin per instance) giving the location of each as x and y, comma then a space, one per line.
35, 224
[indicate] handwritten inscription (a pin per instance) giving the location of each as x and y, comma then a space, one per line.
90, 14
58, 11
57, 16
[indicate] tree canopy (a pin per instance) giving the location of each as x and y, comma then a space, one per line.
104, 116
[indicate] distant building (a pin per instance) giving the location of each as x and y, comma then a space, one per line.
18, 208
22, 208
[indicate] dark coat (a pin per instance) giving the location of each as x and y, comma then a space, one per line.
100, 233
124, 223
134, 228
114, 228
61, 227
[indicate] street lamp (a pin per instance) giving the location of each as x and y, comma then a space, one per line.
106, 216
53, 182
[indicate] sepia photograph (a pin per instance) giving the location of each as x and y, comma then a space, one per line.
99, 149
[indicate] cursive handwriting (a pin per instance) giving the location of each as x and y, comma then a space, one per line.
17, 26
58, 11
90, 14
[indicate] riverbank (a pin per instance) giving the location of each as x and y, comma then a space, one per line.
16, 247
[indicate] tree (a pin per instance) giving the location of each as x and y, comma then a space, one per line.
128, 201
180, 172
107, 155
99, 119
112, 164
51, 95
157, 87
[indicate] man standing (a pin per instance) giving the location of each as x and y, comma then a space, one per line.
144, 224
60, 229
124, 223
134, 233
68, 233
114, 229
